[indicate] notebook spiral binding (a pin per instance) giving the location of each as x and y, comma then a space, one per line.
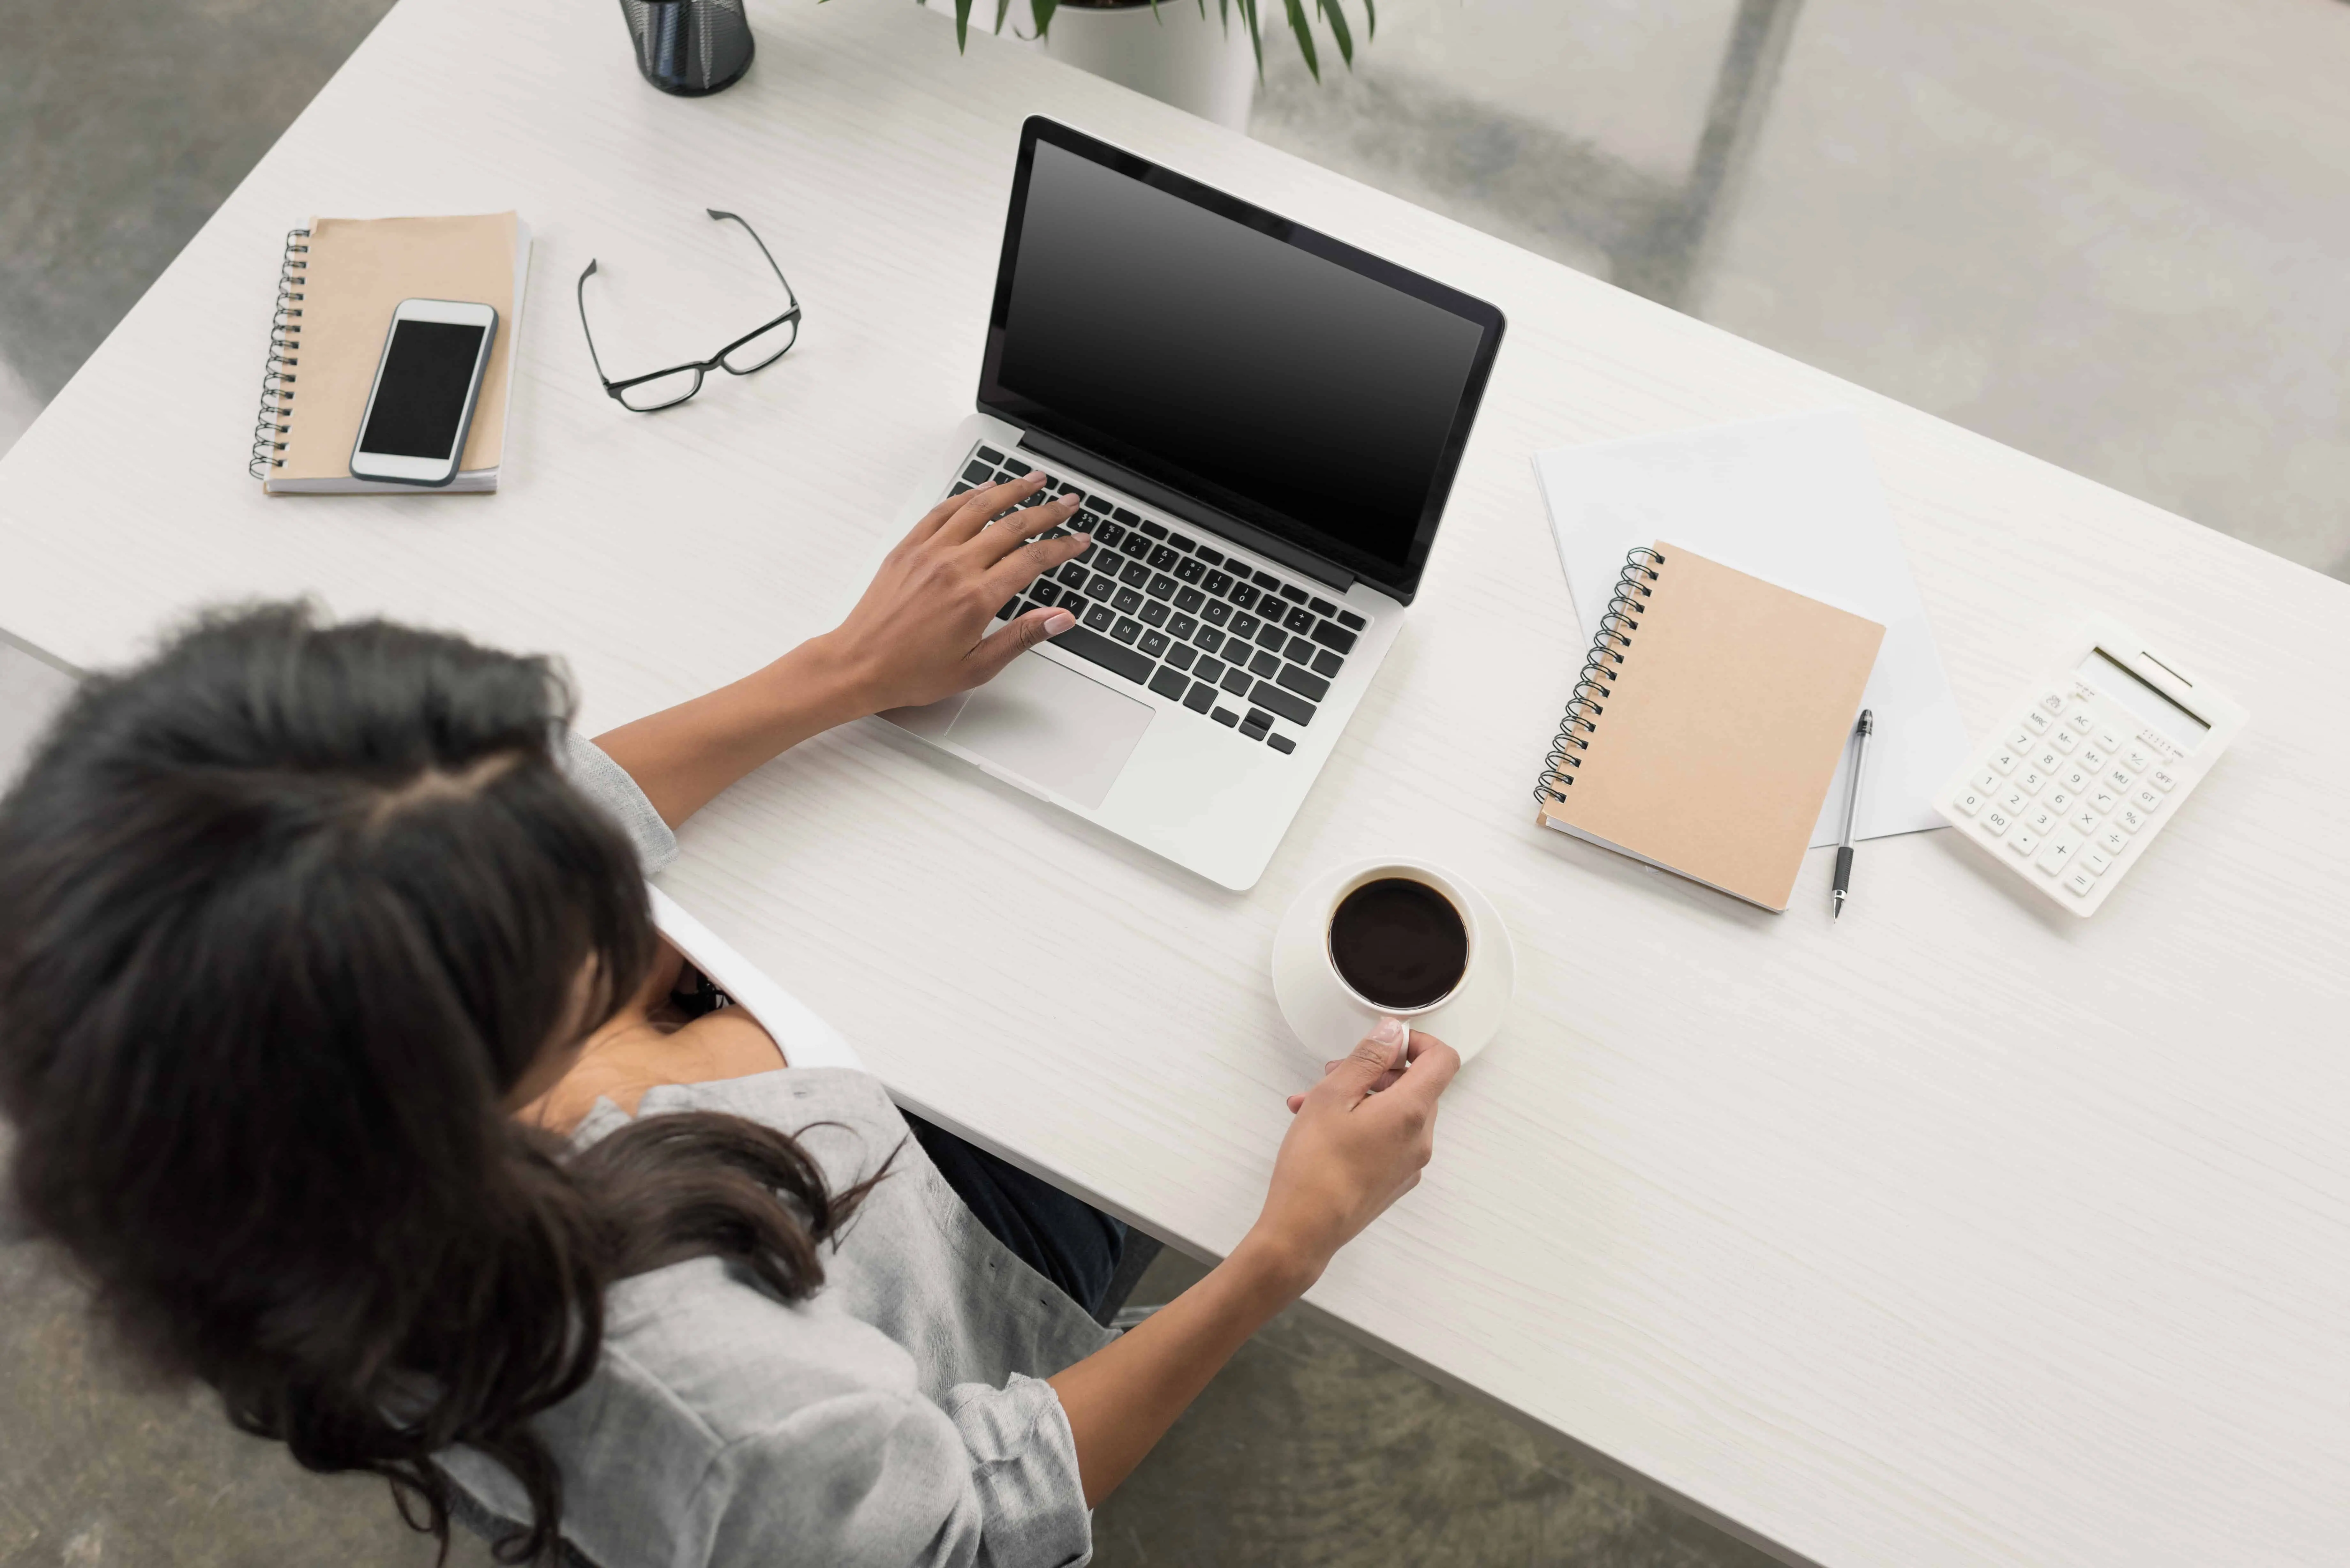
1598, 677
285, 342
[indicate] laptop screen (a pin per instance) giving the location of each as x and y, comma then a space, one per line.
1287, 381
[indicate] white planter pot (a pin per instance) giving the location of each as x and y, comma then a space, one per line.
1176, 56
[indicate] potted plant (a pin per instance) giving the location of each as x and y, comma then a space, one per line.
1174, 50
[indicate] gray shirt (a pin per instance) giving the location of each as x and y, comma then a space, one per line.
896, 1417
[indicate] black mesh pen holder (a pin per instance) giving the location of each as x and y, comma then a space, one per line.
689, 46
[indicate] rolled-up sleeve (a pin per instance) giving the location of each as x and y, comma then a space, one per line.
989, 1481
607, 783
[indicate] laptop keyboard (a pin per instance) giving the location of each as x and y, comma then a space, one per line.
1236, 644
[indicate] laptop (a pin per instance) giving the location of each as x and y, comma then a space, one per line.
1263, 422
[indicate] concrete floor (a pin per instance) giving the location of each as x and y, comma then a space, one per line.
2115, 234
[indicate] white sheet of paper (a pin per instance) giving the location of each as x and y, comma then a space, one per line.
1794, 501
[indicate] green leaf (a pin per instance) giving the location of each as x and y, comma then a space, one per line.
1304, 31
1336, 14
1371, 16
962, 25
1043, 11
1256, 35
1002, 9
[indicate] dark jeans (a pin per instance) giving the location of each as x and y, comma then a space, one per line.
1070, 1242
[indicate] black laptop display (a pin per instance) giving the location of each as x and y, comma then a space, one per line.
1229, 365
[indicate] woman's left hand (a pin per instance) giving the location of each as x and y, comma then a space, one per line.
921, 632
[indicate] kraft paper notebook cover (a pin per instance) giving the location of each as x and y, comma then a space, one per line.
341, 279
1709, 719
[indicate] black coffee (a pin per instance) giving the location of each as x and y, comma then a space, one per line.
1399, 943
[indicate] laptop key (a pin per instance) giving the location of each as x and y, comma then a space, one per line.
1202, 696
1210, 670
1213, 557
1073, 574
1299, 620
1281, 743
1189, 598
1215, 612
1336, 637
1327, 664
1129, 518
1299, 651
1009, 606
1313, 688
1208, 638
1271, 637
1181, 543
1100, 586
1236, 682
1162, 586
1156, 530
979, 473
1321, 607
1350, 620
1154, 643
1127, 601
1265, 664
1181, 655
1190, 568
1245, 625
962, 487
1266, 581
1182, 627
1154, 613
1099, 618
1216, 581
1170, 684
1244, 596
1125, 631
1101, 650
1163, 556
1136, 544
1134, 575
1291, 591
990, 456
1107, 533
1044, 593
1096, 503
1294, 709
1226, 716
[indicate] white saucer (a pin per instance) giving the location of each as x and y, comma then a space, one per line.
1328, 1020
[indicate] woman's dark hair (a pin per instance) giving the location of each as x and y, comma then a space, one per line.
285, 915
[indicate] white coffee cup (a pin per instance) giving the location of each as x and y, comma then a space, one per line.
1436, 881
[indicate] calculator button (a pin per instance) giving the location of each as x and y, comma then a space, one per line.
2080, 883
1997, 821
2004, 762
2057, 800
2160, 779
2042, 822
2119, 777
2063, 740
2037, 720
2084, 821
2080, 721
2107, 741
2113, 841
2024, 842
2130, 818
2104, 800
2048, 760
2014, 802
1987, 783
2056, 855
2095, 861
2052, 702
2029, 781
1968, 801
2137, 759
2090, 760
2074, 780
2021, 741
2146, 798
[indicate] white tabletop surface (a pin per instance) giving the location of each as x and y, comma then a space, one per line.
1961, 1232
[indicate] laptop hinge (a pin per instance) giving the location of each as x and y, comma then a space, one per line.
1153, 493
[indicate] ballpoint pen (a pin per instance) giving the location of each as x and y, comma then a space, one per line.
1852, 811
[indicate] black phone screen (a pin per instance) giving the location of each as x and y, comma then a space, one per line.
419, 402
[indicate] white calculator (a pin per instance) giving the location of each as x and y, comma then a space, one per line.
2069, 792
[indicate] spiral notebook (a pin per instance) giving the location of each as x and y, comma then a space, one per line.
1708, 718
337, 288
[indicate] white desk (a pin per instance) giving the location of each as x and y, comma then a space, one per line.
1960, 1233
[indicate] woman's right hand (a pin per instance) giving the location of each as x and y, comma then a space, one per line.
1361, 1137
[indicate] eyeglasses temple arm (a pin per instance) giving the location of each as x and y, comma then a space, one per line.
592, 356
763, 251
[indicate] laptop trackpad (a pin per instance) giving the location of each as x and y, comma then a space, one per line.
1054, 727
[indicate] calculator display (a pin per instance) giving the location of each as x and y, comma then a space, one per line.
2133, 691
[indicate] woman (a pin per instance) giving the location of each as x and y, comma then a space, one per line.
345, 1062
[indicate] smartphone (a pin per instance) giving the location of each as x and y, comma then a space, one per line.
421, 404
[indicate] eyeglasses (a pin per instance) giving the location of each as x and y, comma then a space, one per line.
752, 351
